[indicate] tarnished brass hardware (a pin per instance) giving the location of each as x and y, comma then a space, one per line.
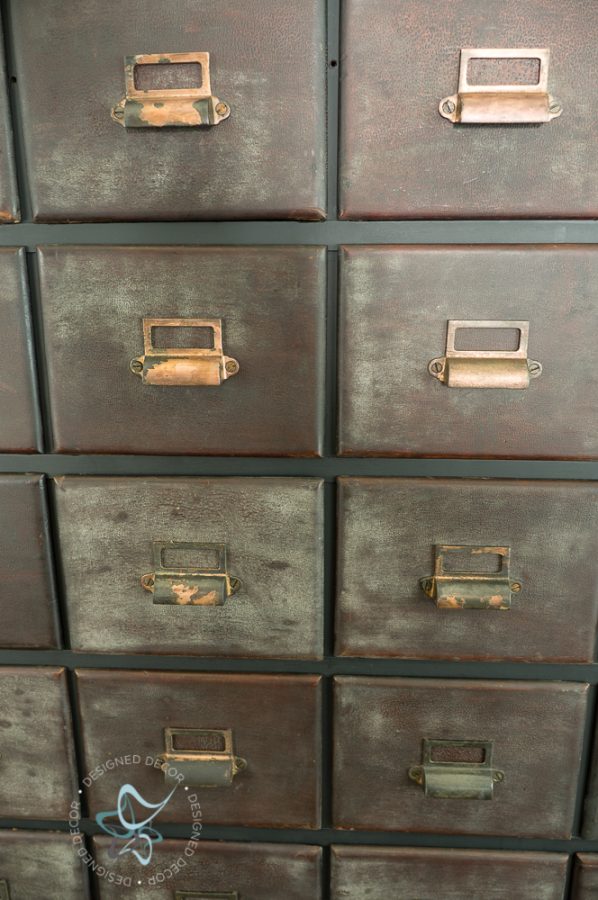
470, 590
501, 104
206, 895
199, 585
214, 766
509, 369
169, 106
459, 779
183, 367
4, 890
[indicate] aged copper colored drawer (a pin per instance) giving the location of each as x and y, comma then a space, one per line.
205, 566
585, 877
40, 864
361, 873
18, 401
183, 350
27, 599
457, 757
215, 111
467, 569
469, 351
37, 779
468, 108
246, 746
222, 871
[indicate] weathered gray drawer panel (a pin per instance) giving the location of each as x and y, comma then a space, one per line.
275, 724
267, 62
271, 302
535, 730
27, 599
389, 529
41, 864
18, 394
256, 871
585, 877
361, 873
399, 158
36, 749
396, 306
272, 530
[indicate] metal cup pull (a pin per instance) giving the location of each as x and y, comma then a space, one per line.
509, 369
187, 366
502, 104
198, 584
206, 895
205, 757
456, 770
454, 588
162, 106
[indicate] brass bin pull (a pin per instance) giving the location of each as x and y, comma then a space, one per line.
156, 108
501, 104
187, 366
211, 762
191, 585
469, 589
469, 776
206, 895
510, 369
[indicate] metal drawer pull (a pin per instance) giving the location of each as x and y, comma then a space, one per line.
206, 895
460, 779
470, 590
177, 367
4, 891
509, 369
211, 762
190, 585
156, 108
501, 104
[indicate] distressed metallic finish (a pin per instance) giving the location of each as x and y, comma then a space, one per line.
201, 768
469, 590
394, 305
181, 367
273, 528
193, 585
388, 531
272, 301
537, 734
276, 720
585, 877
456, 780
40, 864
37, 773
370, 873
254, 871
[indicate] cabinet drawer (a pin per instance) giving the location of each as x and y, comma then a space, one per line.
457, 757
140, 342
37, 864
223, 871
27, 598
467, 569
230, 566
360, 873
36, 748
424, 328
263, 159
18, 401
9, 201
585, 877
513, 155
266, 730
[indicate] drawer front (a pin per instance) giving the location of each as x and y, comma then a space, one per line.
585, 877
18, 401
467, 569
264, 306
222, 871
264, 159
361, 873
36, 748
27, 598
272, 724
459, 757
36, 864
194, 538
401, 158
9, 200
412, 314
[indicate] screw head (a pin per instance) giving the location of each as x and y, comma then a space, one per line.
136, 366
498, 776
448, 107
534, 368
436, 367
515, 587
118, 112
555, 107
222, 108
232, 366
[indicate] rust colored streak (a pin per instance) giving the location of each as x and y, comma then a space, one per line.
187, 596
